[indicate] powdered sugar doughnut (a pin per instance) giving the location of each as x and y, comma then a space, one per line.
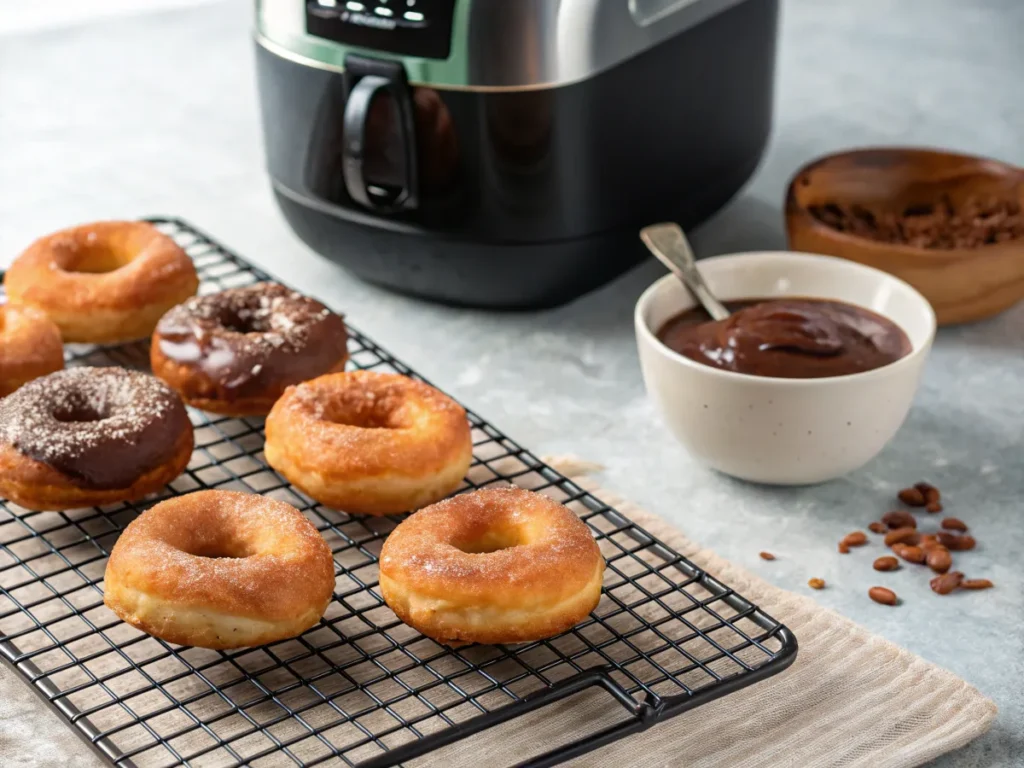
370, 443
220, 569
236, 351
88, 436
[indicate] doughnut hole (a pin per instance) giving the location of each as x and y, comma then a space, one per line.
369, 411
96, 257
75, 409
77, 413
228, 548
492, 539
232, 321
213, 542
249, 318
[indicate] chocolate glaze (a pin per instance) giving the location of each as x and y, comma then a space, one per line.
102, 427
247, 341
788, 338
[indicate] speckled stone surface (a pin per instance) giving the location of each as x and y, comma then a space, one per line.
156, 113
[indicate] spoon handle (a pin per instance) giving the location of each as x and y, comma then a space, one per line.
669, 244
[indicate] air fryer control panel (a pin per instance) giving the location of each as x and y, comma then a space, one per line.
405, 27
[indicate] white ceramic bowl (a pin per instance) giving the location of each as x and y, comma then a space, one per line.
784, 431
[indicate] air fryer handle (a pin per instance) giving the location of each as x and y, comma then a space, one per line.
357, 110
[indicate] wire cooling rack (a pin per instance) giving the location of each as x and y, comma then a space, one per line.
361, 688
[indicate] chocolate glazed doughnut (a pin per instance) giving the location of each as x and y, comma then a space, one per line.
235, 352
89, 436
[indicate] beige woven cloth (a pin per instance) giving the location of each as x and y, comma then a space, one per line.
850, 699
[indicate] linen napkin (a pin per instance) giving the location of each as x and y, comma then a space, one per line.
850, 699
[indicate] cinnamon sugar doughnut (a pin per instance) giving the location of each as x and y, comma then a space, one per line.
103, 283
236, 351
30, 346
501, 565
220, 569
83, 437
369, 443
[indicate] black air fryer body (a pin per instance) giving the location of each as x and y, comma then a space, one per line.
479, 153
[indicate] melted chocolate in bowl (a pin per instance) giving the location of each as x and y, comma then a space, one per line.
788, 338
103, 427
252, 339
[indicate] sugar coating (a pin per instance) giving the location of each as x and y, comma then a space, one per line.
549, 545
367, 423
230, 552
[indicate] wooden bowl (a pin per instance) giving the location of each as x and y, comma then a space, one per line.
962, 284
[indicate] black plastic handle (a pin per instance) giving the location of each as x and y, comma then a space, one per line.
357, 109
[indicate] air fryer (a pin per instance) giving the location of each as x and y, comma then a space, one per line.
505, 153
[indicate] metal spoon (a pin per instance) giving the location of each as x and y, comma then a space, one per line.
669, 244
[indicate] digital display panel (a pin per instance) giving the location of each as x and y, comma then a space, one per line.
406, 27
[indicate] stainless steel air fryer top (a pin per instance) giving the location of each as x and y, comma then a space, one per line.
478, 44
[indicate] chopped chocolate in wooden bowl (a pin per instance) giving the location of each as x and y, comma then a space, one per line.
951, 225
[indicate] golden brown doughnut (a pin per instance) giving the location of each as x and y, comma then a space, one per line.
30, 346
501, 565
83, 437
369, 443
236, 351
220, 569
103, 283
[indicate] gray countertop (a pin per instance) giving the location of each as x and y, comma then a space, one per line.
156, 113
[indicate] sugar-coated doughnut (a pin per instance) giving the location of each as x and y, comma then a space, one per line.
501, 565
89, 436
369, 443
236, 351
220, 569
103, 283
30, 346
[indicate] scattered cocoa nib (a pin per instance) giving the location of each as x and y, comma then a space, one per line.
909, 552
938, 559
855, 539
977, 220
767, 556
886, 563
976, 584
899, 518
902, 536
816, 583
930, 492
912, 497
955, 543
932, 549
967, 542
882, 595
947, 582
